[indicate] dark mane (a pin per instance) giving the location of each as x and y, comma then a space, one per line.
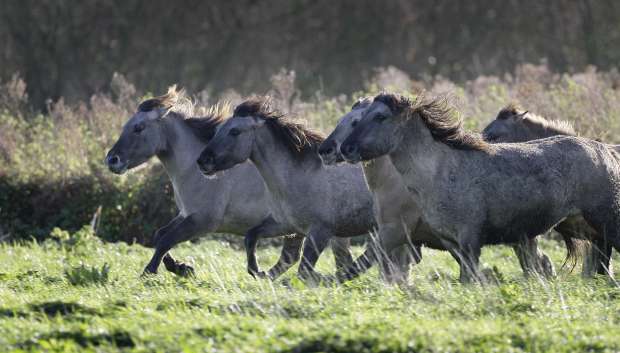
512, 109
362, 103
179, 107
441, 120
555, 127
166, 101
295, 136
204, 127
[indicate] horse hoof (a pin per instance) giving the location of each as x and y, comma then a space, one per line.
147, 273
257, 274
186, 271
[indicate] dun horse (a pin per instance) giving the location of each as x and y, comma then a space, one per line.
515, 125
392, 210
320, 202
473, 193
232, 204
398, 215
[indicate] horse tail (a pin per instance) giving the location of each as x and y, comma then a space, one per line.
574, 251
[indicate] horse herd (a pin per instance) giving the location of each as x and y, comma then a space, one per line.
403, 170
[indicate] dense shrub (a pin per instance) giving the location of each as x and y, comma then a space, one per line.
51, 163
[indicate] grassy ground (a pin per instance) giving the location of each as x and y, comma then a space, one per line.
62, 298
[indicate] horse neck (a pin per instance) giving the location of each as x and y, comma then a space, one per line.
182, 150
421, 159
375, 171
537, 131
543, 130
276, 164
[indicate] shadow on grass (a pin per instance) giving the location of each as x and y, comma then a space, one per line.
117, 338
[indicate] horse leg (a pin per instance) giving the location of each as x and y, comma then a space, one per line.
607, 226
268, 228
532, 259
170, 263
362, 263
393, 237
291, 249
598, 259
467, 254
316, 241
182, 231
341, 247
402, 258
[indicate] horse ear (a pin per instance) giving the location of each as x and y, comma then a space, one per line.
258, 122
522, 115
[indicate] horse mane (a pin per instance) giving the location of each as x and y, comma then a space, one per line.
295, 136
438, 116
363, 102
556, 127
179, 107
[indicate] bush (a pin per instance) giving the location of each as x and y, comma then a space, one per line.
86, 275
51, 164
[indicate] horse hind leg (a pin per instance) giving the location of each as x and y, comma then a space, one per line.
291, 250
607, 226
597, 260
533, 261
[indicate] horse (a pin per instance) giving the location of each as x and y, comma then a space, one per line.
473, 193
397, 212
323, 203
513, 124
232, 204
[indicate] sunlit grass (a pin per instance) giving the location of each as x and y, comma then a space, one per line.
224, 309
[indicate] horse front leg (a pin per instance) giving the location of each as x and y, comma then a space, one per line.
268, 228
393, 238
466, 251
170, 263
184, 230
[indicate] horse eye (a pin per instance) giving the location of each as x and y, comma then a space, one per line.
138, 128
354, 123
234, 132
380, 117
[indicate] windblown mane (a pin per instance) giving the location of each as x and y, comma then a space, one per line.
178, 106
295, 136
556, 127
441, 120
362, 103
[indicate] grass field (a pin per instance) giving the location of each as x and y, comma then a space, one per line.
63, 297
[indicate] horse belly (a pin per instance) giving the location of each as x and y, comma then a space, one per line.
526, 224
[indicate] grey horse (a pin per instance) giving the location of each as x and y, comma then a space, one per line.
398, 215
513, 124
473, 193
315, 199
233, 204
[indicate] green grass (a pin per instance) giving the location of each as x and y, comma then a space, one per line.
44, 307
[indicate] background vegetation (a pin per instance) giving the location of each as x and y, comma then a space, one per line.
70, 49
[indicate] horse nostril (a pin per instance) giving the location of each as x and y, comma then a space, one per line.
114, 160
326, 150
349, 149
206, 158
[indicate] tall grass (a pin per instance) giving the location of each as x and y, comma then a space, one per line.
51, 162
